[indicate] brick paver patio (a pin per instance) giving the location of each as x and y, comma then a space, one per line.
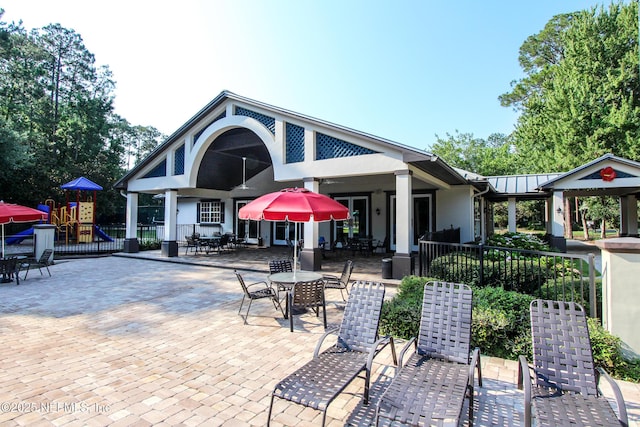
134, 342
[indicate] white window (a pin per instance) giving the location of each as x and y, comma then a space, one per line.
211, 212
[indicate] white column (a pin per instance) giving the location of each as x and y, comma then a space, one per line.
511, 209
557, 228
402, 261
310, 255
131, 221
169, 246
404, 228
311, 233
628, 216
170, 215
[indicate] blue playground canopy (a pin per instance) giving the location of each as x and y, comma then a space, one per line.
81, 183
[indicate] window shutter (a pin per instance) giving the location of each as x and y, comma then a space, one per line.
198, 213
221, 212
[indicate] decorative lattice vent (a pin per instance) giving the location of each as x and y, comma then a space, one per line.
178, 161
269, 122
328, 147
295, 143
160, 170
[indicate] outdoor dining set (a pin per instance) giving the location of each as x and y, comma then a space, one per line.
436, 372
217, 243
12, 266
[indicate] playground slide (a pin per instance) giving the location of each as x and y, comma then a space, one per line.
102, 234
19, 237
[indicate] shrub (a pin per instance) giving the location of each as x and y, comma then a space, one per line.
607, 353
519, 241
401, 315
149, 245
506, 332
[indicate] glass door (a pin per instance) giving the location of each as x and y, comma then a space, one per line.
245, 229
358, 224
286, 230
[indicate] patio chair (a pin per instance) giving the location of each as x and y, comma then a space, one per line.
431, 387
43, 262
9, 268
323, 378
192, 244
280, 266
342, 282
306, 295
561, 387
254, 291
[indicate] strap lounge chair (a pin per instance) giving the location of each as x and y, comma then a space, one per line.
561, 387
342, 282
431, 387
322, 379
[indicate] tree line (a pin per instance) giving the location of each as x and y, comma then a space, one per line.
57, 120
578, 100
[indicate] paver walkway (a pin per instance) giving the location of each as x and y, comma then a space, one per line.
135, 342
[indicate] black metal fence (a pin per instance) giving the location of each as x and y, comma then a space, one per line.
547, 275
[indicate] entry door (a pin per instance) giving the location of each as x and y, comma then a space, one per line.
420, 219
246, 228
358, 224
285, 230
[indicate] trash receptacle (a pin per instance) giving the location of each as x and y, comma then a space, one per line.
387, 268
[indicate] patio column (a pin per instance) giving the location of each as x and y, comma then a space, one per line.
511, 209
310, 255
131, 224
628, 216
401, 265
557, 229
169, 244
620, 290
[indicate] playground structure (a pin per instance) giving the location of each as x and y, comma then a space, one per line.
75, 221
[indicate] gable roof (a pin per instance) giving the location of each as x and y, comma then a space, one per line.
608, 159
420, 159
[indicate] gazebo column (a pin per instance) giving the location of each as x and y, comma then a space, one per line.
628, 216
511, 209
310, 255
169, 244
557, 229
401, 264
131, 244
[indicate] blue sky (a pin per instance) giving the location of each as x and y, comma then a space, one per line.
401, 70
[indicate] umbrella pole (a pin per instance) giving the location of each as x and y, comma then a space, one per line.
295, 249
2, 240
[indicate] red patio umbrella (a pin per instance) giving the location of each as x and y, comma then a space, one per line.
295, 205
10, 212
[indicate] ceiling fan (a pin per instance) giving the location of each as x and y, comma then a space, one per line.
244, 185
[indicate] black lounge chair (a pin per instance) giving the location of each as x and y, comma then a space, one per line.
342, 282
431, 387
322, 379
561, 387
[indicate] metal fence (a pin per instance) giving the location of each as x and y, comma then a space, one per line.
547, 275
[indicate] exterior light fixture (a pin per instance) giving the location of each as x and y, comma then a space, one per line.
377, 211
